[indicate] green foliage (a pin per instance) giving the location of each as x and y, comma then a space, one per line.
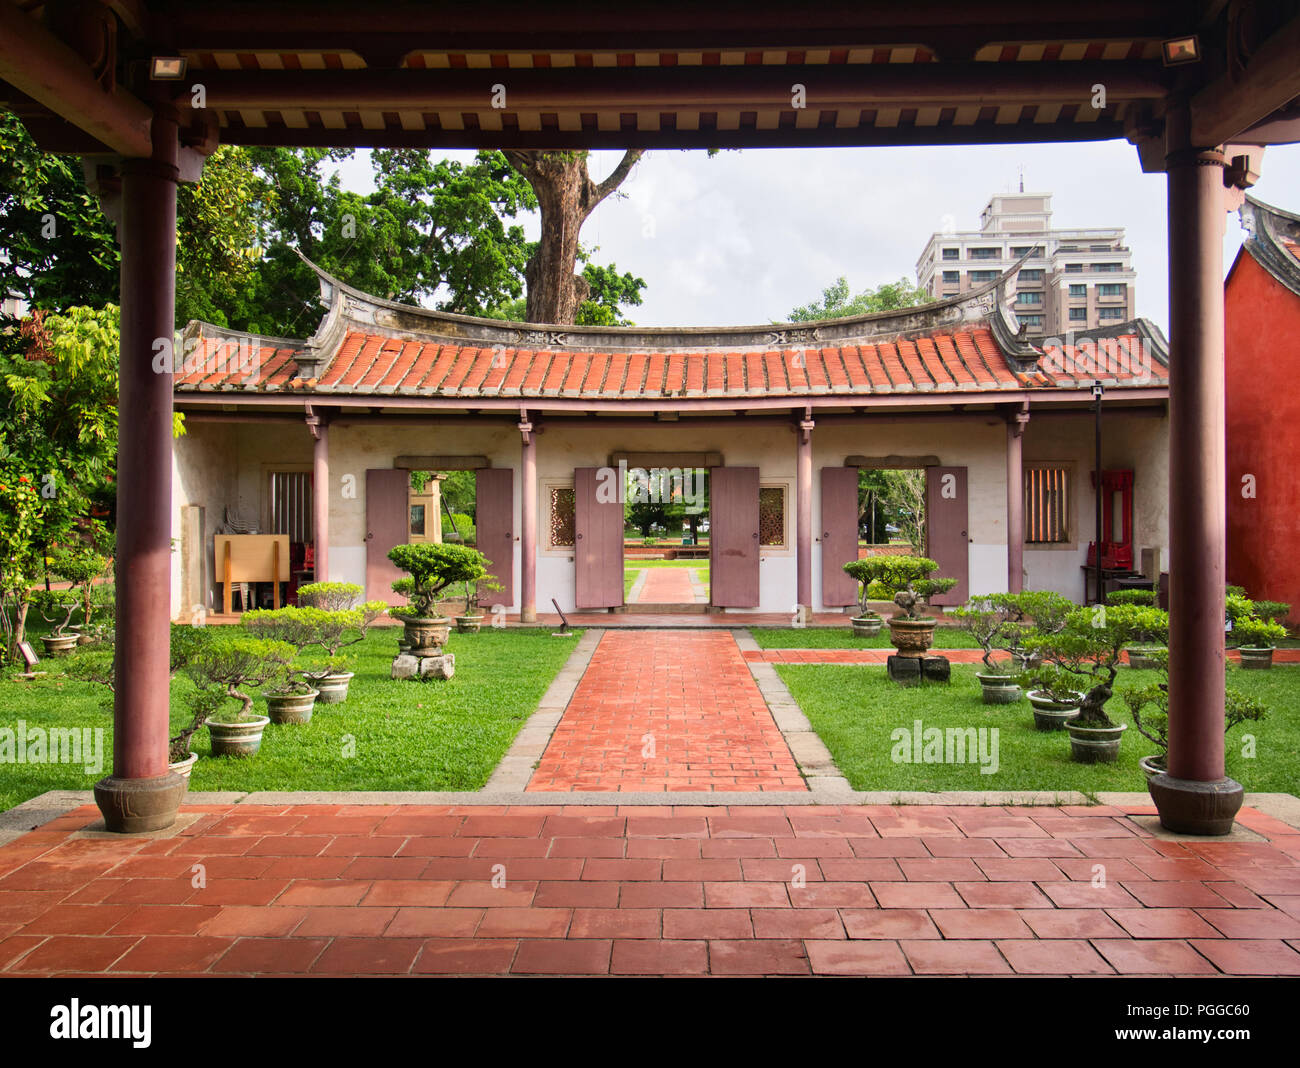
465, 532
608, 291
1090, 644
330, 596
1141, 597
1149, 707
988, 619
1251, 633
432, 568
903, 578
1277, 611
1052, 682
226, 663
837, 303
1238, 606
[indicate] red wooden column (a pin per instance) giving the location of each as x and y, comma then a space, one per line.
1016, 422
142, 794
320, 495
528, 519
803, 514
1194, 796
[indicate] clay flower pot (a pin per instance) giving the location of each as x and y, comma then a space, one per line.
426, 635
1050, 714
334, 688
866, 626
1095, 745
59, 644
237, 739
469, 624
911, 637
291, 707
998, 689
1256, 659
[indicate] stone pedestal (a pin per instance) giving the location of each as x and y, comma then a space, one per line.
408, 666
909, 670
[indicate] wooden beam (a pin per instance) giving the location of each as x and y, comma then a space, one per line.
664, 88
37, 63
1227, 107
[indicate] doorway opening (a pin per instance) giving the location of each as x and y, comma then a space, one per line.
666, 533
891, 511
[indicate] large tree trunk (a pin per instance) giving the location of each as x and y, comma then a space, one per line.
566, 196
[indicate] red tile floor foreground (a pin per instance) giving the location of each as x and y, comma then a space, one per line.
578, 890
658, 710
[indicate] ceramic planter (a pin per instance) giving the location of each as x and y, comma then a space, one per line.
468, 624
1256, 659
237, 739
1095, 745
59, 645
1152, 766
911, 637
334, 688
866, 626
1051, 715
999, 689
1140, 658
184, 767
426, 635
291, 707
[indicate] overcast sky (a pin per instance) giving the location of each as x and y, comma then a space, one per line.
745, 237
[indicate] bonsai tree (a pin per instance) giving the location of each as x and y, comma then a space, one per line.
1255, 633
80, 565
330, 596
431, 568
1273, 611
56, 607
308, 627
98, 666
985, 620
904, 579
226, 665
1149, 707
1029, 612
475, 589
1089, 646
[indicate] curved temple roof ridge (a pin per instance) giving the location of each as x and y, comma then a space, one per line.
1274, 240
968, 345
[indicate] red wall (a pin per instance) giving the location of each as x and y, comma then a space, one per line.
1262, 325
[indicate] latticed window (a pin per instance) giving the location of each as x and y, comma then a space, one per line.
1047, 505
771, 516
562, 513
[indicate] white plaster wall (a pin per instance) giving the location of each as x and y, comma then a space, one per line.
220, 464
1136, 442
204, 466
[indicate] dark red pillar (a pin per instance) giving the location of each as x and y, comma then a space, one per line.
320, 495
1194, 796
528, 521
142, 794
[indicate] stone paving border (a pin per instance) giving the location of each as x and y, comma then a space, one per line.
807, 748
638, 584
516, 767
701, 597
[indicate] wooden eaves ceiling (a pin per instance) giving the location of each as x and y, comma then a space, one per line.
669, 74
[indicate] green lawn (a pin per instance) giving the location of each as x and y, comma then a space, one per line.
445, 735
856, 708
841, 637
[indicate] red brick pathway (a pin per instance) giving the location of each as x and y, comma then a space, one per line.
870, 890
658, 710
666, 585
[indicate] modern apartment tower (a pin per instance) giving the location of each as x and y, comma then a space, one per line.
1073, 280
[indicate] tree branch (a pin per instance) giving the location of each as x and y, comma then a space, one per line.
597, 193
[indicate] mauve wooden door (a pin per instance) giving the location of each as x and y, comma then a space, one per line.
839, 534
387, 524
947, 524
733, 536
494, 524
598, 538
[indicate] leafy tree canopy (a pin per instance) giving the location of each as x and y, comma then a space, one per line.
837, 302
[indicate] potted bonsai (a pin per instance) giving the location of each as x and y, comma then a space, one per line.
57, 607
906, 580
867, 623
1089, 646
225, 666
1142, 655
304, 627
1053, 695
1030, 612
430, 569
81, 565
985, 620
1256, 640
472, 620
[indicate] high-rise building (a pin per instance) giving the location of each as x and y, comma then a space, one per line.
1073, 280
